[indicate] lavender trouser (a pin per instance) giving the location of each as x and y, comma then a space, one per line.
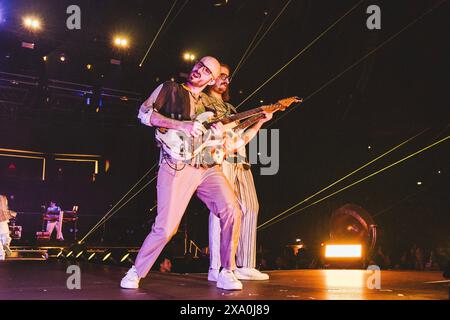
174, 191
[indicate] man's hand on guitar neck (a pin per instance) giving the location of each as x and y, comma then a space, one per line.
267, 117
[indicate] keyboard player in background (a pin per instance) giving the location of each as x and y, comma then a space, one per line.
55, 219
5, 215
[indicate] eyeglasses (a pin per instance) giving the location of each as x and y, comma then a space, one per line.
207, 70
225, 77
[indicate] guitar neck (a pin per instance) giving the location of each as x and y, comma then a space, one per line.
239, 116
247, 123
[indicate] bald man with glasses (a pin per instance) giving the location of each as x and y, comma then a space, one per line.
174, 106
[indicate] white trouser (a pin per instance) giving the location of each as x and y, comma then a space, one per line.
5, 240
243, 185
58, 224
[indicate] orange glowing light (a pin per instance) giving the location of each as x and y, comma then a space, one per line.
343, 251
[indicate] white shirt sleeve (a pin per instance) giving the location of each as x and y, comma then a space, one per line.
146, 111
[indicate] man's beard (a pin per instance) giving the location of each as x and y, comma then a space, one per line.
221, 89
197, 82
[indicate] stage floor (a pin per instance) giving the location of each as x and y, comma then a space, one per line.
47, 280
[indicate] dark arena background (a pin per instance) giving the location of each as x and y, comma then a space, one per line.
362, 163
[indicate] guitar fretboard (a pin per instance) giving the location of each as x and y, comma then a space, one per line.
239, 116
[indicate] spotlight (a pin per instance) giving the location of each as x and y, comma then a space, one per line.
419, 183
62, 58
44, 58
107, 255
220, 3
89, 66
32, 23
187, 56
343, 251
91, 256
121, 42
28, 45
125, 257
115, 62
87, 98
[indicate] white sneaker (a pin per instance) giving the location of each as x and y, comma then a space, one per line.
227, 281
213, 274
131, 279
250, 274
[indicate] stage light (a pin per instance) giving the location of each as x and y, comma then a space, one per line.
28, 45
89, 66
79, 254
125, 257
87, 98
69, 254
32, 23
44, 58
106, 256
62, 58
121, 42
115, 62
107, 165
92, 255
59, 254
419, 183
220, 3
187, 56
369, 147
343, 251
261, 101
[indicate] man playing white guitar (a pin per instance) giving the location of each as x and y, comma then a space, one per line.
237, 170
173, 106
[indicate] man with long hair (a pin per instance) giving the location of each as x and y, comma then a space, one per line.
241, 179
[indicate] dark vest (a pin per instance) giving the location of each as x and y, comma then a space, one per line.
173, 101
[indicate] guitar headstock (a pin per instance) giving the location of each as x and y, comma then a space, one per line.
282, 104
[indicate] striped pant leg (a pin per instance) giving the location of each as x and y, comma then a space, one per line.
246, 192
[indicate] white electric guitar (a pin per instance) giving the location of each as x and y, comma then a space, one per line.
183, 147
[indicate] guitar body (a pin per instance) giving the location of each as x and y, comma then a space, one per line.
212, 149
183, 147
